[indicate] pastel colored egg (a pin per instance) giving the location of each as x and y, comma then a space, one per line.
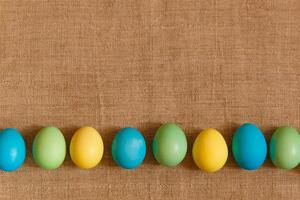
49, 148
249, 147
12, 150
210, 150
169, 145
86, 148
285, 148
129, 148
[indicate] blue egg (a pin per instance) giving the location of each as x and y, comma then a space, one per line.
12, 150
249, 147
129, 148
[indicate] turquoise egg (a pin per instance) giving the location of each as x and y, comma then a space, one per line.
129, 148
249, 147
12, 150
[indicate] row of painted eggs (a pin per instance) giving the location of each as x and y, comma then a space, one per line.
169, 147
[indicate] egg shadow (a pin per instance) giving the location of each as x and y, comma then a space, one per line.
108, 135
29, 133
68, 132
148, 130
268, 134
228, 131
188, 162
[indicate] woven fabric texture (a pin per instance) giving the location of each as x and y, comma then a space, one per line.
116, 63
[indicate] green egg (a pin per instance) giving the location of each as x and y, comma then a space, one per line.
49, 148
285, 148
169, 145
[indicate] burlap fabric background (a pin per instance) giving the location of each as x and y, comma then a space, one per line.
114, 63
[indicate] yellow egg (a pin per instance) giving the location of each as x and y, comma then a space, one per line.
210, 150
86, 148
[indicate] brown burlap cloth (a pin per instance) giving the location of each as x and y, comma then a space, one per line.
116, 63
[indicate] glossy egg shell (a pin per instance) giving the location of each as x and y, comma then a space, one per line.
12, 150
86, 148
210, 150
129, 148
249, 147
169, 145
285, 148
49, 148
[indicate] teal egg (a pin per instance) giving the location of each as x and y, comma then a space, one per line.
249, 147
12, 150
129, 148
